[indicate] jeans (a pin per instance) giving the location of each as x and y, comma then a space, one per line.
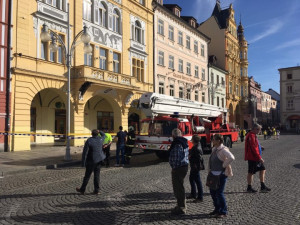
120, 148
218, 196
107, 153
178, 176
195, 180
89, 169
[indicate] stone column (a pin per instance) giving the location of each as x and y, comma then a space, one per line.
77, 124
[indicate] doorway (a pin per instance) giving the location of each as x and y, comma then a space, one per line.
60, 123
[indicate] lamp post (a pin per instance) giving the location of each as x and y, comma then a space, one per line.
49, 35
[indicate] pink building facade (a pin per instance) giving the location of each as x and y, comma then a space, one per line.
181, 59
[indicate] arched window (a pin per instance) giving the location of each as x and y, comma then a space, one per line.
116, 21
101, 14
138, 32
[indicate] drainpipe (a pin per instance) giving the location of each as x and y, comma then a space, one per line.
154, 35
8, 75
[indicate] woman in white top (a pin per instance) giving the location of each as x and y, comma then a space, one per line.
219, 164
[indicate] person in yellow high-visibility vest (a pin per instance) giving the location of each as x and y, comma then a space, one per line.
106, 147
129, 144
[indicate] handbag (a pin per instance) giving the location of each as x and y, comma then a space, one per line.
213, 181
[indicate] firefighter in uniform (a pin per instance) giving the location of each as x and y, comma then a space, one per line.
129, 144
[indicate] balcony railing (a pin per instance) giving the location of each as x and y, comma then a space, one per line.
102, 75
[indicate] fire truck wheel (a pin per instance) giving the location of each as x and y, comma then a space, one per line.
163, 155
227, 142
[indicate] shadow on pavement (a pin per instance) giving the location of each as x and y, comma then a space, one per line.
297, 166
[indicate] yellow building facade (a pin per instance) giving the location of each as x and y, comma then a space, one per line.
230, 47
105, 85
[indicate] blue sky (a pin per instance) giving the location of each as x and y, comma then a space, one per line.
272, 29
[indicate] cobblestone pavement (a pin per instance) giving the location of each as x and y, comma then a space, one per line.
142, 194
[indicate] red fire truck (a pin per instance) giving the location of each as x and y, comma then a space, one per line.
166, 113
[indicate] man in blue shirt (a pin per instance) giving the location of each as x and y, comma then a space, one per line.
179, 153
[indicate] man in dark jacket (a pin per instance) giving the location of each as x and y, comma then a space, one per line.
129, 144
179, 152
196, 161
92, 156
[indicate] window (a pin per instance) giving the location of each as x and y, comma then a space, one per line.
171, 90
230, 87
241, 72
161, 27
223, 82
142, 2
116, 62
188, 68
180, 65
171, 62
161, 88
52, 56
289, 89
188, 42
196, 71
218, 80
241, 55
138, 69
180, 92
202, 50
44, 50
88, 58
161, 58
196, 96
2, 85
242, 90
203, 74
222, 102
103, 59
212, 78
218, 101
196, 47
237, 89
180, 38
177, 12
171, 33
116, 21
245, 72
290, 76
203, 97
138, 32
105, 121
56, 3
101, 15
188, 94
87, 7
60, 54
290, 104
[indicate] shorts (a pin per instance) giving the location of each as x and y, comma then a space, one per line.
254, 166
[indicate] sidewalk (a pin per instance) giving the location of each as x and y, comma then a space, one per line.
43, 157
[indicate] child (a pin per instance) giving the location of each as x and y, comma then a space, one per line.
195, 157
265, 134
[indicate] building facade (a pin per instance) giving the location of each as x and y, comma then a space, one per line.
180, 64
275, 106
5, 39
217, 84
266, 109
254, 103
290, 98
105, 85
230, 47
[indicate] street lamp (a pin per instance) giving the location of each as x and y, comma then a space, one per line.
49, 35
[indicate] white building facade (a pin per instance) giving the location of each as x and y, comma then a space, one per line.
180, 67
290, 98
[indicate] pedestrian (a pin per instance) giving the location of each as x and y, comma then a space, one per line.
129, 144
265, 134
269, 132
179, 152
219, 165
253, 151
196, 164
274, 133
92, 156
278, 134
121, 135
107, 143
242, 135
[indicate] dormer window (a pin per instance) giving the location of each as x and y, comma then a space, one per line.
177, 12
160, 2
193, 23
